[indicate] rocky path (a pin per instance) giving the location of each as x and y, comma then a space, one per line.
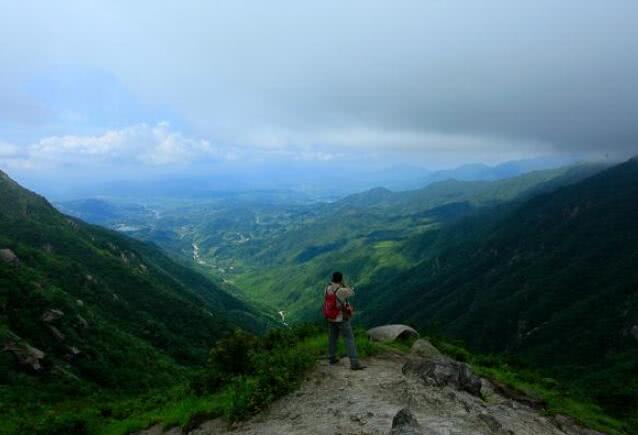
337, 401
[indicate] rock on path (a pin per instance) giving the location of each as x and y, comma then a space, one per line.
337, 401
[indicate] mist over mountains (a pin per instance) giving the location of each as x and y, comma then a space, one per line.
325, 181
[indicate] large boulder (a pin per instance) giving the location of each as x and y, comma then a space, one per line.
392, 333
444, 371
405, 423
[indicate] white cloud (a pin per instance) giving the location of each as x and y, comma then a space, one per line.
425, 78
153, 145
158, 145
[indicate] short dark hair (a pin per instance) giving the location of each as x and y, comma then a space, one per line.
337, 277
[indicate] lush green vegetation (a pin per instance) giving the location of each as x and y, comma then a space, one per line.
551, 281
244, 373
86, 312
537, 269
277, 252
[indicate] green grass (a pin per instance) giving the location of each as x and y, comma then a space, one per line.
178, 412
276, 374
276, 364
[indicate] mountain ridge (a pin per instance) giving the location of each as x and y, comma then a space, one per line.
86, 296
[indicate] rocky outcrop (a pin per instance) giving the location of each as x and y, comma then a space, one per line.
405, 423
392, 333
51, 315
8, 256
572, 427
25, 354
334, 400
490, 421
436, 369
442, 372
83, 322
56, 333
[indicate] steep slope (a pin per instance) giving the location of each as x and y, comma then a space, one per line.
552, 281
89, 307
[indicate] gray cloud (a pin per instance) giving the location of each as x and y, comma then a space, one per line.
466, 78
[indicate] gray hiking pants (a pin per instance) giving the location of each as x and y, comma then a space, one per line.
345, 329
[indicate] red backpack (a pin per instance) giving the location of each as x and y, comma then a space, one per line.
332, 307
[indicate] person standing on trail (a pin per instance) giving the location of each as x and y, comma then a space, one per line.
338, 311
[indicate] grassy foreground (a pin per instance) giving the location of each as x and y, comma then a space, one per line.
243, 375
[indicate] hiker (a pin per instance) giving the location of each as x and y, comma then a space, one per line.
338, 311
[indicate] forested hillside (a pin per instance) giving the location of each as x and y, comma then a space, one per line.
85, 309
370, 235
552, 281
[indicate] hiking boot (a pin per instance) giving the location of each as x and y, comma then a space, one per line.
357, 366
333, 362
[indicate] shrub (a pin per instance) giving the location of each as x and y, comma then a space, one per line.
206, 381
231, 354
241, 396
63, 424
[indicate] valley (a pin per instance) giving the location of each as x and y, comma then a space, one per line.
279, 253
512, 268
182, 182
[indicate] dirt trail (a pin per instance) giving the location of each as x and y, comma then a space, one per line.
337, 401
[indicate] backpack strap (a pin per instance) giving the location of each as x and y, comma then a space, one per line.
341, 304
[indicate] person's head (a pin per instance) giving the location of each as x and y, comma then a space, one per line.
337, 277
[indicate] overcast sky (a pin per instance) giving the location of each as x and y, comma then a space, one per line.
133, 86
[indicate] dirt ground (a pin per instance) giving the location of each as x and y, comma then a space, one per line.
334, 400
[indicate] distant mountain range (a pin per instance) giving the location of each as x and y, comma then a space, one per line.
296, 182
479, 171
478, 192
